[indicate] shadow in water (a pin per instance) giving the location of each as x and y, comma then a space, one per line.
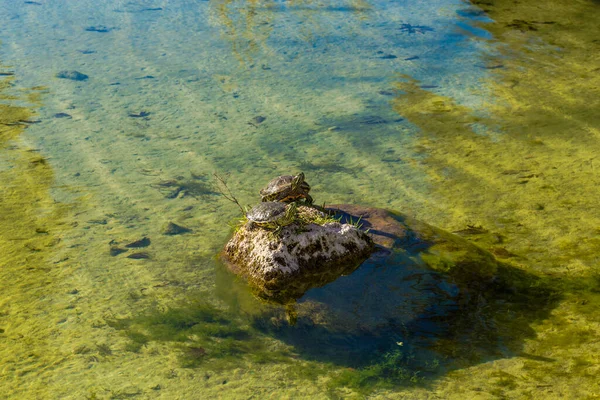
389, 308
398, 319
395, 320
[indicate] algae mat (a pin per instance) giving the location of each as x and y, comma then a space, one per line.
479, 119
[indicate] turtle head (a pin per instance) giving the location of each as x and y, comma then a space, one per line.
298, 179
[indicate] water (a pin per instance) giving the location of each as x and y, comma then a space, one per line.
457, 117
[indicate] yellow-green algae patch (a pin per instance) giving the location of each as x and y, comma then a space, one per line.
523, 177
32, 223
550, 228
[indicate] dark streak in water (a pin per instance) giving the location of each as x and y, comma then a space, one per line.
24, 122
139, 256
143, 242
141, 114
100, 29
411, 29
490, 66
140, 10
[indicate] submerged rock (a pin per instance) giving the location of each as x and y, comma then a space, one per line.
306, 255
310, 252
424, 294
431, 247
415, 282
172, 229
72, 75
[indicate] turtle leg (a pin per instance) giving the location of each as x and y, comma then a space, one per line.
308, 200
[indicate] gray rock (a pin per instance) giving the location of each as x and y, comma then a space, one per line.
305, 254
72, 75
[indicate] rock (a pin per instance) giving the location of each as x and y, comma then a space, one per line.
139, 256
434, 248
115, 251
423, 296
143, 242
174, 229
72, 75
305, 254
62, 115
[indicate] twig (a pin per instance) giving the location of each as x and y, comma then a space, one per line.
226, 192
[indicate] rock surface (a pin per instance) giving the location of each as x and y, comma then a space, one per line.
433, 248
305, 254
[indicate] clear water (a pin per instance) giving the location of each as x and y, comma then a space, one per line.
455, 116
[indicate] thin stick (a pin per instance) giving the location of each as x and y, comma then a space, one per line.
226, 192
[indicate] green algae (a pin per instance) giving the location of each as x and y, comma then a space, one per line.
33, 224
549, 227
388, 373
530, 183
203, 333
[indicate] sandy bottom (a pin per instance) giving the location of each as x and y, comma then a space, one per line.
435, 111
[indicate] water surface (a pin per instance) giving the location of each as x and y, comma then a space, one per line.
480, 114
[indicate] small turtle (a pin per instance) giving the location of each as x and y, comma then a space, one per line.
272, 214
287, 188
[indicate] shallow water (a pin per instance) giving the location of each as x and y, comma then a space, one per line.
481, 114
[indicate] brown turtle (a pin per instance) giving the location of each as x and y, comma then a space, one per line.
286, 189
272, 215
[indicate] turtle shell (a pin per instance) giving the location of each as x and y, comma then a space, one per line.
281, 189
266, 212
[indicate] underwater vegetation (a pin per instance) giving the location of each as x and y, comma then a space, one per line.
517, 176
400, 354
202, 332
181, 186
213, 339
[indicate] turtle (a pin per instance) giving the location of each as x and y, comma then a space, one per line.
286, 189
272, 215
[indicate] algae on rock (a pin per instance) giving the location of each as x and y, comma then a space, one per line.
312, 251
